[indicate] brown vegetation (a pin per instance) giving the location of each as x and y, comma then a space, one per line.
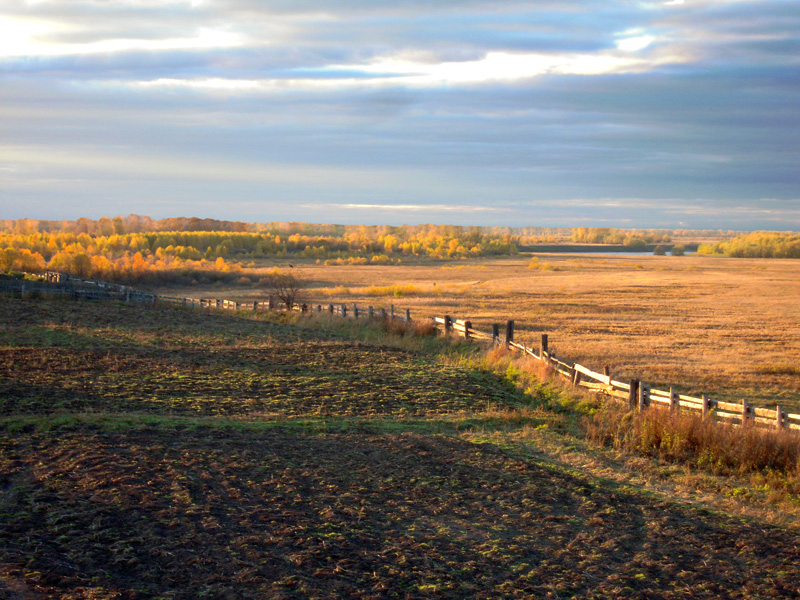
688, 438
285, 285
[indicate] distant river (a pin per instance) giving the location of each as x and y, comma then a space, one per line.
600, 249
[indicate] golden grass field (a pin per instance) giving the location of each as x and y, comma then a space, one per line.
726, 327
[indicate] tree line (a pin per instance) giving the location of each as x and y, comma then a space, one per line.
136, 249
102, 250
759, 244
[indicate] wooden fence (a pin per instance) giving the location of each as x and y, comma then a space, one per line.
75, 288
635, 393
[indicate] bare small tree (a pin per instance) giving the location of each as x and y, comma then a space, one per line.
286, 286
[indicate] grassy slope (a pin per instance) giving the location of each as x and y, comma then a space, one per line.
179, 455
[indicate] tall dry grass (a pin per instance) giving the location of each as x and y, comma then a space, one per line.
688, 438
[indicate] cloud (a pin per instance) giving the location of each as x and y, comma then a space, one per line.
511, 109
424, 208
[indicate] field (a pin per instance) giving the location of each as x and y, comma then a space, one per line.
175, 454
726, 327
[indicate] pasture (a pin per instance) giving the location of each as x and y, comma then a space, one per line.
722, 326
170, 453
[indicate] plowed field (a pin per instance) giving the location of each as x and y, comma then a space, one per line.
168, 454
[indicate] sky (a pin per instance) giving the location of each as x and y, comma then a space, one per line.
663, 114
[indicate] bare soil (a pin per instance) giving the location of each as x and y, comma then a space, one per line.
174, 454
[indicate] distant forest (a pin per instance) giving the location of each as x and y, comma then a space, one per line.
760, 244
139, 249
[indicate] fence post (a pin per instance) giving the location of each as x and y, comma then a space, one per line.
576, 375
495, 334
779, 417
370, 313
303, 307
644, 392
383, 313
408, 315
255, 305
344, 310
330, 308
355, 310
745, 410
706, 405
271, 304
448, 324
319, 308
673, 399
509, 332
467, 326
543, 347
633, 395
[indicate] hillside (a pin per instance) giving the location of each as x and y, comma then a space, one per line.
174, 454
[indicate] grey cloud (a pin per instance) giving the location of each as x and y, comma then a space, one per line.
720, 127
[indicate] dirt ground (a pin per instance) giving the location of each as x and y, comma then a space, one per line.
217, 513
181, 455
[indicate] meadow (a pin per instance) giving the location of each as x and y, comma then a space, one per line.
722, 326
173, 453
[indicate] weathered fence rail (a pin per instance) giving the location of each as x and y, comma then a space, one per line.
76, 289
637, 394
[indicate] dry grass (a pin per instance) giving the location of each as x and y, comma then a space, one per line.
760, 466
727, 327
688, 438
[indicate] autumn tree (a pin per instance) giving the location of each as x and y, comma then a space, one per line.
286, 286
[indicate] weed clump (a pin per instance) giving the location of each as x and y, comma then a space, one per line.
424, 328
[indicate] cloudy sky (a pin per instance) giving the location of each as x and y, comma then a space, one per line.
676, 113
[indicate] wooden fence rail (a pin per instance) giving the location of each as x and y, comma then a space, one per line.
76, 289
637, 394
